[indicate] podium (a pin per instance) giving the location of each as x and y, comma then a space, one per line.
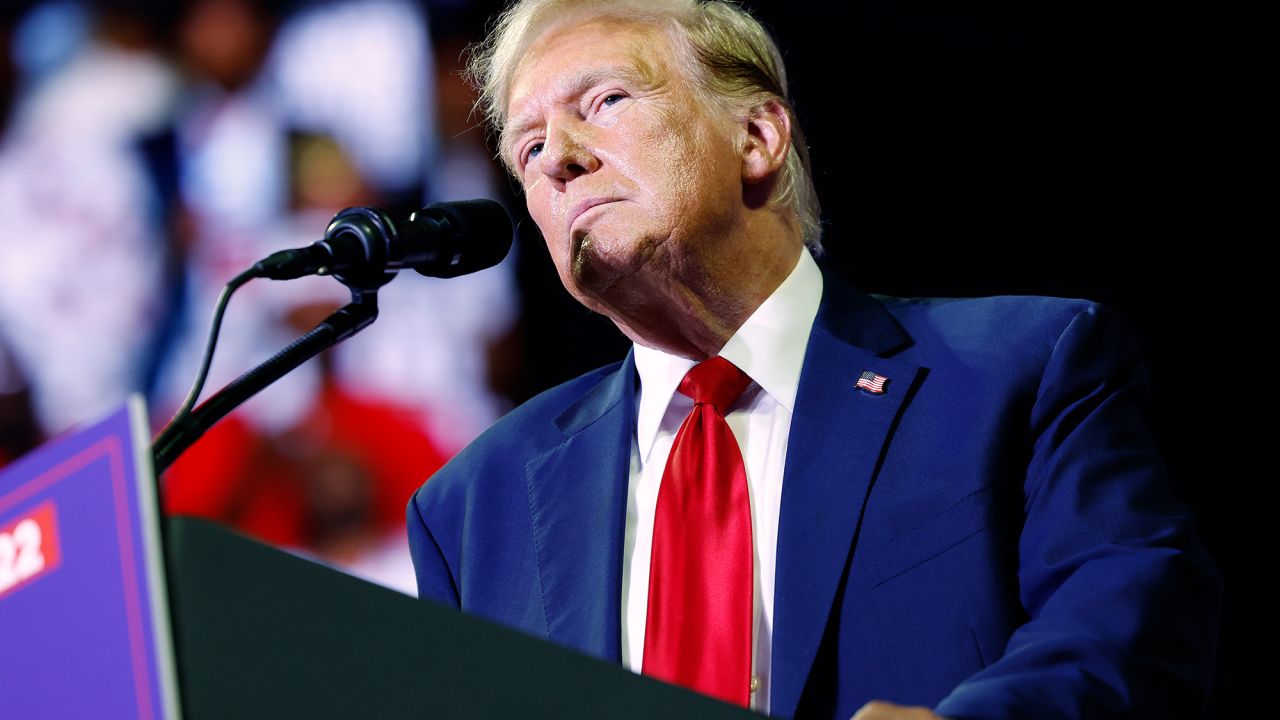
220, 626
260, 633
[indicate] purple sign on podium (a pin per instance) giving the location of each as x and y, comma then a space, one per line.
84, 625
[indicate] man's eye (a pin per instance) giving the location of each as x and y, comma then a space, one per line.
611, 99
534, 151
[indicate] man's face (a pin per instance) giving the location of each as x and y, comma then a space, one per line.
626, 170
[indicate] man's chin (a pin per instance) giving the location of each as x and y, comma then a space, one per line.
592, 273
603, 272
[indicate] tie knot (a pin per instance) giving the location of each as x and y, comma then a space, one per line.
716, 381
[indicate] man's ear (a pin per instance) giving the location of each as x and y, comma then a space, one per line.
767, 144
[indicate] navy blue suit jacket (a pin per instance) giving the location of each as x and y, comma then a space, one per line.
993, 536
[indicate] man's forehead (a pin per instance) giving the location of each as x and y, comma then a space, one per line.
574, 55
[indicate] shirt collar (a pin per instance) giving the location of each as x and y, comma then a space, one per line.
769, 348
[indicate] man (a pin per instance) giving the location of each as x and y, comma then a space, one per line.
947, 504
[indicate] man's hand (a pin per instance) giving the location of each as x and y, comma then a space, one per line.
881, 710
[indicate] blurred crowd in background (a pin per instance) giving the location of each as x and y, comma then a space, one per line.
149, 152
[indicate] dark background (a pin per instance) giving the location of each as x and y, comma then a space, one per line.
1118, 153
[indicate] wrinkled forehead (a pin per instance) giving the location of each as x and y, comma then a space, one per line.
563, 52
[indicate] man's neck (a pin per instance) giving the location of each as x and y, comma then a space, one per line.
698, 313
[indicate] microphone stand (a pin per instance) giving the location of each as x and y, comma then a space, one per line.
344, 323
363, 248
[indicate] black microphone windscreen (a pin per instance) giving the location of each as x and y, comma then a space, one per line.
473, 235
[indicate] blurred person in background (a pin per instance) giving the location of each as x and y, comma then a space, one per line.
388, 103
81, 261
18, 429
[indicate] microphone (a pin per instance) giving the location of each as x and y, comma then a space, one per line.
364, 248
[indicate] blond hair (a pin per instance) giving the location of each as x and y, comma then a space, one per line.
734, 63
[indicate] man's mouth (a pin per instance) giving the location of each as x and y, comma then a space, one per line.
581, 207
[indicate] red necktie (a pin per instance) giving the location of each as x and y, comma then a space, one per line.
698, 632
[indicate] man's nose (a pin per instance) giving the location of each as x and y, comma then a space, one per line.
567, 153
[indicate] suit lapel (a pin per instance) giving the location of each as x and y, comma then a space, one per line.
577, 501
838, 434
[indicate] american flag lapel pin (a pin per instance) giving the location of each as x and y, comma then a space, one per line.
871, 382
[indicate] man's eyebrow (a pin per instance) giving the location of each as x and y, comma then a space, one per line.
640, 74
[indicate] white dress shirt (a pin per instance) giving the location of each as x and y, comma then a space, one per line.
769, 348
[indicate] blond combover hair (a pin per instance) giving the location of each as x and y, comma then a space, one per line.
734, 61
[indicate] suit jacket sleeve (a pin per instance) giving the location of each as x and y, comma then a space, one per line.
1122, 601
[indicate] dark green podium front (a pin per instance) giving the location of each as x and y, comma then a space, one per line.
260, 633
